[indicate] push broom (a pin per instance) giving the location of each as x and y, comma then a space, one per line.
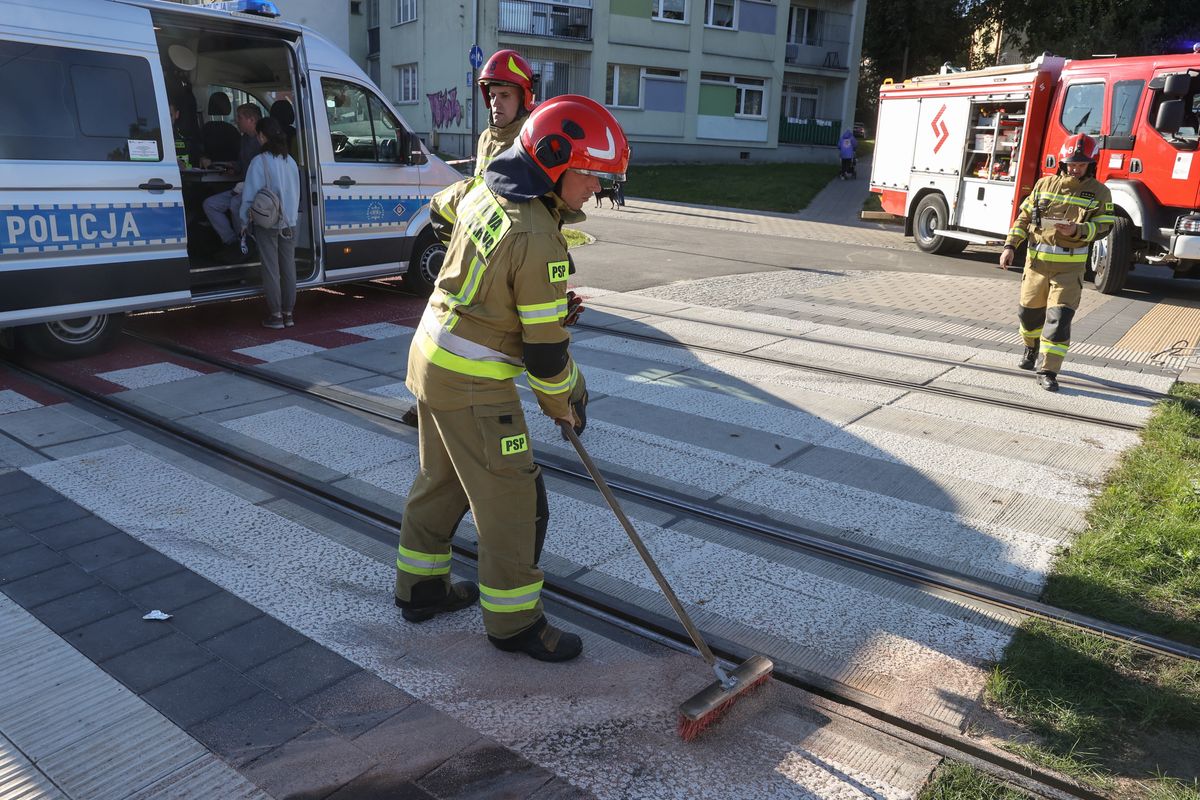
713, 701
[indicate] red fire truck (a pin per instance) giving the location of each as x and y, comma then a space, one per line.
956, 153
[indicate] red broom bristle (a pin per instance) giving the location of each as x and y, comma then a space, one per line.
689, 729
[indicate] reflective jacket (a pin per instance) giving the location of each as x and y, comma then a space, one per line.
498, 304
1084, 201
494, 141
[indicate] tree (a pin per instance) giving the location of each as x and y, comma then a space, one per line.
902, 38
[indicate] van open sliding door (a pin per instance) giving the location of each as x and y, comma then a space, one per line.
91, 222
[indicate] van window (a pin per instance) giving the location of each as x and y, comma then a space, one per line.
360, 126
1083, 108
62, 104
1125, 97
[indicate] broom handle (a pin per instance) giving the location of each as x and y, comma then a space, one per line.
611, 499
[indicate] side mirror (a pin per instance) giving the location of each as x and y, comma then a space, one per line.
1177, 85
1170, 116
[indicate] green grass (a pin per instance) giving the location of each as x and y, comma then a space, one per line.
955, 781
758, 187
1099, 707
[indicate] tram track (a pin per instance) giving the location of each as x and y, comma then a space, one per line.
828, 694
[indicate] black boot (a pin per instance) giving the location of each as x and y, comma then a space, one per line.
1048, 381
1028, 358
542, 641
430, 598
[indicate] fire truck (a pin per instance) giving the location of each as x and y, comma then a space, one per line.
957, 153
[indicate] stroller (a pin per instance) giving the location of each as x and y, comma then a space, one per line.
849, 169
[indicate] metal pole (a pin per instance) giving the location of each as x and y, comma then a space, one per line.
471, 88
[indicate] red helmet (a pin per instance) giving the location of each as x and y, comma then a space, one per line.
575, 132
507, 66
1079, 149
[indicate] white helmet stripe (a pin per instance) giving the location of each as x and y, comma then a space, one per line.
612, 147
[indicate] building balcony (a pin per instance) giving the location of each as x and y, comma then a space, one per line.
809, 131
545, 19
826, 55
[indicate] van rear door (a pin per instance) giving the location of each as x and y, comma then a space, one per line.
92, 216
369, 192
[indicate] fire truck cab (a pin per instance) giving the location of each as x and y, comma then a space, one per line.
962, 150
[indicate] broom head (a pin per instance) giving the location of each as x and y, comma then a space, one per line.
714, 701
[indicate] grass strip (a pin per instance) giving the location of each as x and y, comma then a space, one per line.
1101, 708
758, 187
955, 781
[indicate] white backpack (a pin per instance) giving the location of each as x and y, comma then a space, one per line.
266, 209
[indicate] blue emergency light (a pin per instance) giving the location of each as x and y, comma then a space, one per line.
263, 8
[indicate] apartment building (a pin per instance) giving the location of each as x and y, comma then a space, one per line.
689, 80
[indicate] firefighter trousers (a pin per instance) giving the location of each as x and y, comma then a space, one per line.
479, 457
1050, 294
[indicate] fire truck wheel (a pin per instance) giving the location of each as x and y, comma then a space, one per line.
931, 215
1112, 256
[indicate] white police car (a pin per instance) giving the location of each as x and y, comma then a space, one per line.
101, 196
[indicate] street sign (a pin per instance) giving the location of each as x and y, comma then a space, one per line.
476, 56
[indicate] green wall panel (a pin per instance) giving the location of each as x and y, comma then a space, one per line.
631, 8
717, 101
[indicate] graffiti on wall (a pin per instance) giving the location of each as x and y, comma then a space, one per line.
445, 108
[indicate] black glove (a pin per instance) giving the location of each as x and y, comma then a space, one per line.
574, 308
579, 401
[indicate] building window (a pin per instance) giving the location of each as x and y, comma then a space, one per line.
406, 11
750, 95
804, 26
356, 8
719, 13
406, 83
623, 88
669, 10
800, 102
372, 13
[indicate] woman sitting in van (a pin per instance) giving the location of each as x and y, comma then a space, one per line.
274, 171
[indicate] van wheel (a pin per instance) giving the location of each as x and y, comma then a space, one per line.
931, 215
1112, 256
425, 265
71, 338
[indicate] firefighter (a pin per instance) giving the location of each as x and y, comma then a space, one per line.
507, 87
496, 313
1060, 218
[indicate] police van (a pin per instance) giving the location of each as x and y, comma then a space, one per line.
102, 192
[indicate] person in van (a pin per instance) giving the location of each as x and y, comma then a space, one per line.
189, 151
220, 206
274, 171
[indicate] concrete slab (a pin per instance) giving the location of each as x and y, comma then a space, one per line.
200, 395
385, 356
50, 425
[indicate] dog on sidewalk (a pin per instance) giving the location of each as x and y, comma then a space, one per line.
613, 195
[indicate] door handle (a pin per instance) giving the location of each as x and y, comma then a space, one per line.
980, 195
155, 185
345, 180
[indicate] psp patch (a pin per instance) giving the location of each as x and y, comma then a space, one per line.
559, 270
511, 445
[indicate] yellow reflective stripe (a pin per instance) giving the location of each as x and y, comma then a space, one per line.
484, 218
1104, 219
418, 563
1031, 334
470, 286
1089, 229
495, 370
1061, 258
1055, 348
507, 601
1017, 232
543, 312
1069, 199
545, 387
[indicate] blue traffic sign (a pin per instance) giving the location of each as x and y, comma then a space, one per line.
476, 56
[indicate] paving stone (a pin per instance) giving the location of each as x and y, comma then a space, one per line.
248, 729
111, 636
47, 516
214, 614
30, 494
356, 703
28, 561
173, 592
302, 671
14, 539
75, 532
417, 740
486, 771
15, 481
559, 789
156, 663
311, 765
255, 642
382, 783
201, 694
137, 571
81, 608
49, 585
99, 553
